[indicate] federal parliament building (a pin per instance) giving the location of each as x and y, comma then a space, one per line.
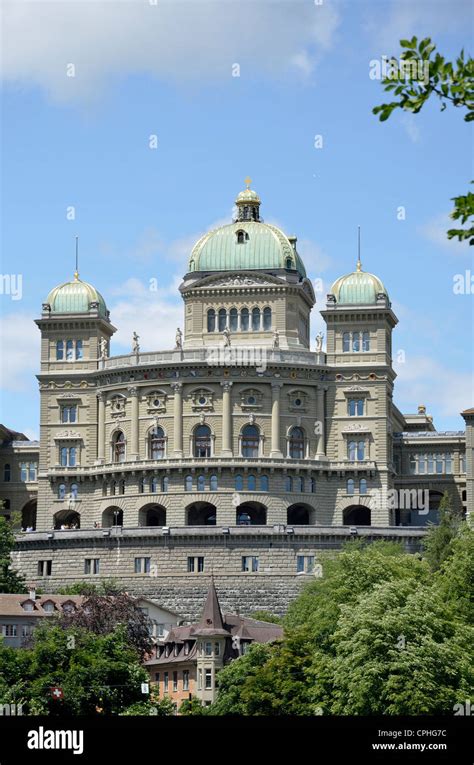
245, 452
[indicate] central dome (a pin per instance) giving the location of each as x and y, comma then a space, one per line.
247, 244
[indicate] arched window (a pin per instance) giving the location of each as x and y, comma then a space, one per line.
62, 491
233, 316
362, 486
352, 450
202, 441
350, 486
213, 483
104, 489
289, 263
241, 237
365, 341
121, 487
60, 350
356, 342
7, 473
211, 320
346, 342
201, 483
250, 441
299, 483
264, 483
74, 490
255, 319
313, 485
296, 443
267, 318
119, 447
113, 487
244, 319
361, 450
79, 354
69, 350
239, 483
154, 485
251, 483
188, 483
288, 483
222, 319
164, 483
142, 485
157, 444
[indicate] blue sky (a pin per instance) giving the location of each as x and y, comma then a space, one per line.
143, 69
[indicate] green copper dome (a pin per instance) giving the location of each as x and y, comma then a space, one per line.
246, 244
357, 288
76, 297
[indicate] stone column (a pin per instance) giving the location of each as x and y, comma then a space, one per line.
178, 419
226, 419
133, 454
275, 447
101, 427
320, 424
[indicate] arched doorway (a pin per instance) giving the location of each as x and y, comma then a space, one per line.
28, 515
153, 515
357, 515
251, 514
67, 519
201, 514
113, 516
300, 515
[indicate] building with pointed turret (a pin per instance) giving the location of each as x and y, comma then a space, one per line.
242, 451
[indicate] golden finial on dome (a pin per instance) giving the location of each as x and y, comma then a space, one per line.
359, 264
76, 272
247, 181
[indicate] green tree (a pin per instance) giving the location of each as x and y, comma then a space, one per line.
266, 616
151, 708
10, 581
437, 546
419, 75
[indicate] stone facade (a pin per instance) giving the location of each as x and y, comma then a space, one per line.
241, 424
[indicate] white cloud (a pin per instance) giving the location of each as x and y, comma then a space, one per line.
411, 127
435, 231
20, 351
424, 380
401, 19
196, 41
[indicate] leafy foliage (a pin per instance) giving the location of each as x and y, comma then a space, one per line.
419, 75
10, 581
438, 543
266, 616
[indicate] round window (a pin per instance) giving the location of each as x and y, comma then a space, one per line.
202, 400
156, 402
251, 400
298, 402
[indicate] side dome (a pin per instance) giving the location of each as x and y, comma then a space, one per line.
358, 288
246, 244
76, 297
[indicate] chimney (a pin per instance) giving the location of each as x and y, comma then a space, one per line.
32, 591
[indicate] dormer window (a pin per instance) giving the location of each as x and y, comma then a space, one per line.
242, 237
28, 605
48, 606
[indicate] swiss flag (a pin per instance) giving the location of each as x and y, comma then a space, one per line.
57, 693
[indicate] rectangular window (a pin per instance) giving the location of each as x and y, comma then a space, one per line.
9, 630
23, 471
208, 649
430, 463
165, 682
142, 565
249, 563
91, 565
421, 464
157, 677
185, 679
217, 649
346, 342
196, 564
305, 564
448, 463
45, 567
32, 471
175, 681
26, 630
412, 464
199, 679
439, 463
208, 679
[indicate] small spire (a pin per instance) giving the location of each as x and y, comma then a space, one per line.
247, 181
359, 264
76, 272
